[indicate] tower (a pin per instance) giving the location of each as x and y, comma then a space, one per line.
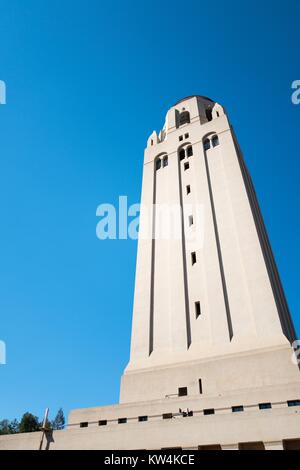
212, 365
210, 315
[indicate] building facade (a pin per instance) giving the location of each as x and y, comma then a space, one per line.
212, 364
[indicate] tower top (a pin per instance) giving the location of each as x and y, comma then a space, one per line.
188, 110
193, 96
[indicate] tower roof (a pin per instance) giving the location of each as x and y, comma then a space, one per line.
193, 96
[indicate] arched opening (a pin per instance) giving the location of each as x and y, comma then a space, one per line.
182, 154
184, 118
215, 140
206, 144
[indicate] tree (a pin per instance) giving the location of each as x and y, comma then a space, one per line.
59, 420
9, 427
4, 426
14, 426
29, 423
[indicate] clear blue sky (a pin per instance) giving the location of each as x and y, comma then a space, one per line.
87, 82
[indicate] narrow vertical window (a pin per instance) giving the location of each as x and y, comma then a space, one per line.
200, 386
180, 138
215, 140
189, 151
165, 161
188, 189
158, 164
208, 113
186, 166
206, 144
197, 309
193, 257
182, 154
191, 220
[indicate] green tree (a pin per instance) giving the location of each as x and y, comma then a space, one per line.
14, 426
4, 427
29, 423
9, 427
59, 420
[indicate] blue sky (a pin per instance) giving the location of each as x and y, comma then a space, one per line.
87, 82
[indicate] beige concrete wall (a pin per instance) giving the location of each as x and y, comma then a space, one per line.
270, 427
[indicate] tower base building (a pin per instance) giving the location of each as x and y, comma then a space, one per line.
212, 363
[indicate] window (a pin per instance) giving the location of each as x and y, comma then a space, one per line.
208, 113
186, 166
184, 118
143, 418
206, 144
182, 391
197, 309
236, 409
188, 189
181, 154
293, 403
158, 164
251, 446
215, 140
122, 420
291, 444
165, 161
186, 136
191, 220
167, 415
193, 257
84, 425
102, 422
189, 151
209, 411
200, 386
151, 141
210, 447
180, 138
265, 406
218, 114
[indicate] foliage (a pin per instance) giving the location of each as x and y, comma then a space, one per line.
59, 420
29, 423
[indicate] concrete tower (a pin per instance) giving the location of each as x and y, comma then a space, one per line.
210, 315
211, 364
